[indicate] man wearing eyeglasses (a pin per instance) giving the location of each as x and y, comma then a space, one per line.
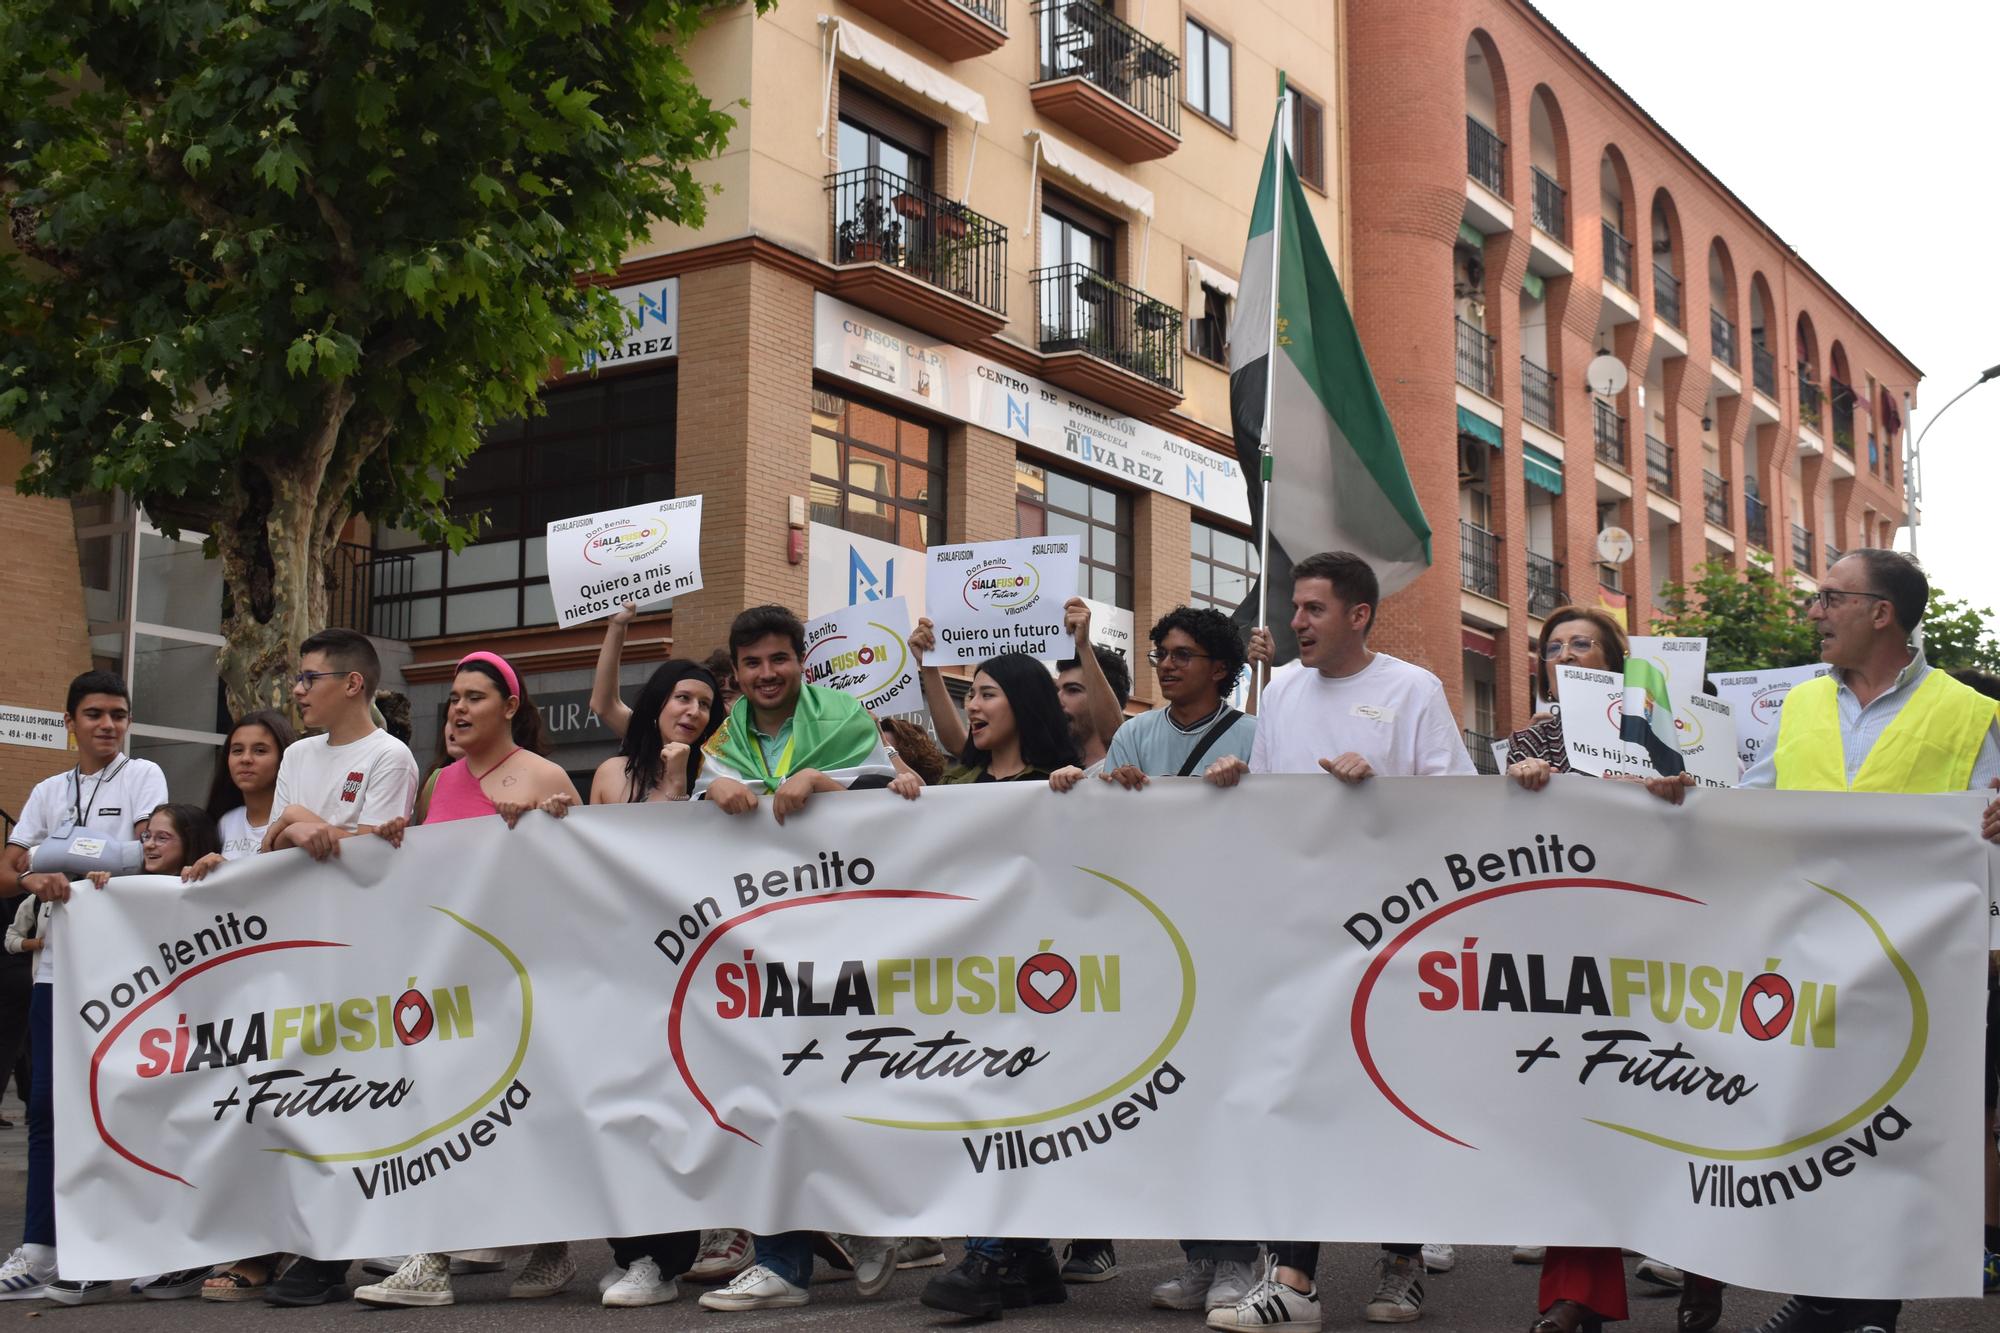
1197, 657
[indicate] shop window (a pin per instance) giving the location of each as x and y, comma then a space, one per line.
876, 473
599, 446
1052, 503
1221, 567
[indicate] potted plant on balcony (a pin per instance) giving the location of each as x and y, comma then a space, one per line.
871, 236
1092, 289
910, 204
1153, 315
1156, 63
951, 220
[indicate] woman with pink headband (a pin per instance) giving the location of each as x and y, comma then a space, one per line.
498, 731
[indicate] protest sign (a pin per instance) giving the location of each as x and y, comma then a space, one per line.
1000, 597
644, 554
1568, 1004
1682, 661
1594, 701
1757, 696
864, 651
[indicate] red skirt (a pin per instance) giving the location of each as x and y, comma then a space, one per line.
1593, 1276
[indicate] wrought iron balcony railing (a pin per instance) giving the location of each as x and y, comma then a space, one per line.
1757, 521
1551, 206
1802, 548
1485, 155
368, 590
1080, 39
1659, 465
1617, 258
1538, 394
1475, 358
1715, 498
881, 218
1764, 370
1545, 590
1080, 309
1608, 429
1480, 746
1809, 398
1478, 560
1666, 293
1721, 337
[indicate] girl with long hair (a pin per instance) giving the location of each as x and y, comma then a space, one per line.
1015, 727
675, 714
245, 782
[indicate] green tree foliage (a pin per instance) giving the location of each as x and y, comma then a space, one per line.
1956, 634
1751, 621
280, 261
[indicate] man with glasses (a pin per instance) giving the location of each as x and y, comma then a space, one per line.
1883, 721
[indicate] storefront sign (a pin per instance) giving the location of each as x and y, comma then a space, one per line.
866, 349
1000, 597
570, 720
33, 726
653, 325
644, 554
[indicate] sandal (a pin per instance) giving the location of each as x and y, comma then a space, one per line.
1567, 1317
243, 1280
1701, 1304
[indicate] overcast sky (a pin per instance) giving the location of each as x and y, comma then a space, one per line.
1862, 134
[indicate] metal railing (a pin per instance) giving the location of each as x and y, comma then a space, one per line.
1084, 40
1475, 358
1538, 394
1809, 397
1757, 521
1478, 560
1833, 554
1764, 370
1551, 208
1659, 465
993, 11
1666, 293
1802, 548
368, 590
1545, 590
1480, 746
1721, 337
1608, 429
1485, 155
1080, 309
881, 218
1617, 258
1715, 498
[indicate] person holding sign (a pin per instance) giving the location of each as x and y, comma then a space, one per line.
1571, 636
664, 733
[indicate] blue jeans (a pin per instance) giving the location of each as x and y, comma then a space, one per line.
789, 1255
1005, 1247
39, 1225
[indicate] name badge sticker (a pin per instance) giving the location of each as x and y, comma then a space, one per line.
1375, 713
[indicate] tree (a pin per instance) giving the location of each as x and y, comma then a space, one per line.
1751, 621
282, 260
1958, 635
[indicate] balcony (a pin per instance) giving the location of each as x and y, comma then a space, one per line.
1666, 293
1545, 590
1809, 399
1715, 498
1833, 554
1764, 370
1617, 258
1475, 359
1478, 560
1480, 746
1551, 208
1721, 337
1106, 80
1608, 429
1538, 395
1107, 341
1802, 549
1757, 521
916, 256
1485, 156
955, 29
1659, 466
369, 590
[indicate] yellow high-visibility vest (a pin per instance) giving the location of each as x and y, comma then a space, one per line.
1929, 747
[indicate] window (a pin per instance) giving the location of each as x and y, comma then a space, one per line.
599, 446
1305, 135
1073, 234
1221, 567
1075, 243
876, 474
874, 133
1208, 83
1208, 322
1051, 503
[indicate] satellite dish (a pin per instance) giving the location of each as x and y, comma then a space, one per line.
1614, 545
1605, 374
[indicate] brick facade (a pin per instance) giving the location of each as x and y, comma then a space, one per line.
46, 642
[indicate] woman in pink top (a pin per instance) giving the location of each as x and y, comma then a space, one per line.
498, 731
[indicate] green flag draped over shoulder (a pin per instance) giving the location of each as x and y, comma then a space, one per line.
831, 732
1338, 481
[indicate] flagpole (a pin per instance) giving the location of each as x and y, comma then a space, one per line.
1280, 155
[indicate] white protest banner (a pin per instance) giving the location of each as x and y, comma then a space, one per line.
1112, 627
1592, 702
1757, 696
882, 1018
865, 651
644, 554
1000, 597
846, 569
38, 727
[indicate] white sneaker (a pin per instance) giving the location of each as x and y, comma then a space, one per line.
1189, 1288
1439, 1258
724, 1253
612, 1277
920, 1252
1270, 1304
423, 1279
872, 1257
643, 1284
1399, 1293
1528, 1254
548, 1271
1659, 1273
755, 1288
23, 1279
1233, 1280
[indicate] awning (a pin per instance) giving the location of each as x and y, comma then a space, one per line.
1092, 175
932, 85
1531, 283
1542, 469
1479, 428
1475, 642
1203, 275
1470, 235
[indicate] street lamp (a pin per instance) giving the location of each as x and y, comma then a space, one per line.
1912, 490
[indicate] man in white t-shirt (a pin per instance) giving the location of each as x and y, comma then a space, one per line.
1352, 712
109, 794
354, 776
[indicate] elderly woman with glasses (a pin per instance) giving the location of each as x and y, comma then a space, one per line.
1571, 636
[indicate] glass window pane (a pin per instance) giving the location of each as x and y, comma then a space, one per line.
1068, 525
865, 472
825, 456
188, 765
1104, 545
916, 484
546, 506
1218, 81
872, 426
1198, 577
1197, 78
535, 558
174, 684
496, 608
396, 539
1103, 505
571, 410
1104, 585
1029, 479
567, 460
913, 529
490, 562
1030, 520
647, 445
423, 618
178, 586
825, 503
1066, 492
1231, 549
102, 560
648, 398
1198, 539
539, 605
489, 469
1231, 586
426, 571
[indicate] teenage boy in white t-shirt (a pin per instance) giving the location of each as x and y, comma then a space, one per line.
1352, 712
346, 781
110, 794
354, 776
